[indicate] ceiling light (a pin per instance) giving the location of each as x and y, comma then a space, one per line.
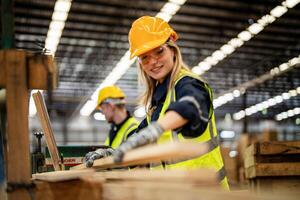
227, 49
88, 108
197, 70
293, 93
99, 116
180, 2
283, 67
227, 134
271, 102
62, 6
296, 111
290, 113
278, 11
278, 117
170, 8
284, 115
165, 16
59, 16
218, 55
291, 3
274, 71
245, 35
236, 42
294, 61
255, 28
265, 20
286, 96
211, 60
204, 66
236, 93
298, 90
233, 154
57, 25
228, 97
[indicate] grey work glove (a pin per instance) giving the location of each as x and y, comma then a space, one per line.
94, 155
145, 136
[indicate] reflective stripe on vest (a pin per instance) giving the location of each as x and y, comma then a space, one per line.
123, 132
212, 159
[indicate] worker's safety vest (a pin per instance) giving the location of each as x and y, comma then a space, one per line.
212, 159
123, 132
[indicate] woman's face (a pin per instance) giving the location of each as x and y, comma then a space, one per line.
158, 62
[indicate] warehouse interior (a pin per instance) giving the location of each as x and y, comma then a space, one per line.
248, 52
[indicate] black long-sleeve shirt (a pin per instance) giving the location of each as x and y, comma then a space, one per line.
192, 103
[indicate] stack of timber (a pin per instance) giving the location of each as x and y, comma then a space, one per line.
273, 166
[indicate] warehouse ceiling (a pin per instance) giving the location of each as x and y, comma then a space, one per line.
95, 38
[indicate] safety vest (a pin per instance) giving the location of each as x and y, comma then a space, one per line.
123, 132
212, 159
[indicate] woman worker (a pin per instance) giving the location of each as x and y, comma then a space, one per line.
178, 103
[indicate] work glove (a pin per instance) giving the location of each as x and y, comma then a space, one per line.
94, 155
148, 135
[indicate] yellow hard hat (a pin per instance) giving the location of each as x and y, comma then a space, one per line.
147, 33
109, 92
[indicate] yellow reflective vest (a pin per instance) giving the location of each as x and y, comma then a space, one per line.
130, 124
212, 159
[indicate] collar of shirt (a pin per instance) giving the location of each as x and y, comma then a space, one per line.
160, 92
118, 126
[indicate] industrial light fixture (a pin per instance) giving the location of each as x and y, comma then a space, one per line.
57, 24
276, 71
250, 32
266, 104
278, 11
227, 134
287, 114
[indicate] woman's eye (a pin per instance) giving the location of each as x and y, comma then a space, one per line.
159, 51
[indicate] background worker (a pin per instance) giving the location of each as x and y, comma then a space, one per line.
179, 104
111, 102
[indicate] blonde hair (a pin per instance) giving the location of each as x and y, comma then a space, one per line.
151, 83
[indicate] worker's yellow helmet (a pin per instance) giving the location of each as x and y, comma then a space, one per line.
110, 93
147, 33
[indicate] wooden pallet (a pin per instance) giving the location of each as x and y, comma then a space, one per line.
273, 166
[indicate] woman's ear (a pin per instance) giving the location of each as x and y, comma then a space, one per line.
172, 38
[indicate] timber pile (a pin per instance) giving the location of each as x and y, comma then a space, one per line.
273, 166
144, 185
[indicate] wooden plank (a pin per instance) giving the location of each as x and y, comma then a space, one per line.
176, 191
153, 153
83, 189
273, 169
63, 175
249, 158
200, 176
42, 72
270, 148
46, 125
17, 147
277, 185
